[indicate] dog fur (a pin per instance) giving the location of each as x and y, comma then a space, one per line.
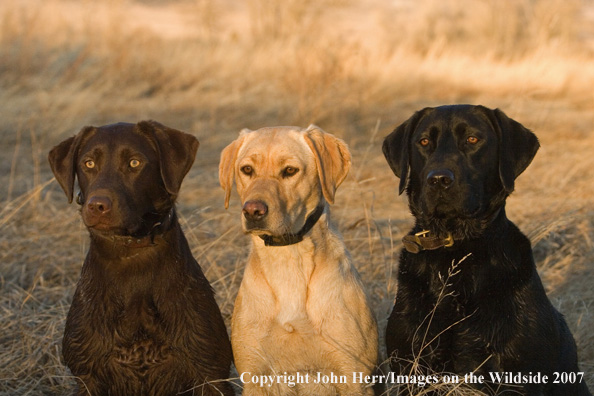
301, 307
143, 319
477, 305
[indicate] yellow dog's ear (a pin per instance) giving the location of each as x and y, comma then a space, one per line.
333, 159
227, 164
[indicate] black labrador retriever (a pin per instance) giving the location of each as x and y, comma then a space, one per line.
469, 297
143, 319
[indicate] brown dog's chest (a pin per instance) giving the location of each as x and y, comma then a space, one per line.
140, 339
142, 354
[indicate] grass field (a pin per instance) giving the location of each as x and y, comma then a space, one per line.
355, 68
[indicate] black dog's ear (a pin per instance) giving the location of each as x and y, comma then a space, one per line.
176, 149
396, 147
517, 147
63, 157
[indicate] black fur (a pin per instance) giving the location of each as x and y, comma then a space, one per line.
143, 320
478, 306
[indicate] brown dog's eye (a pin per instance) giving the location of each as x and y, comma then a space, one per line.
424, 142
134, 163
289, 171
472, 139
90, 164
247, 170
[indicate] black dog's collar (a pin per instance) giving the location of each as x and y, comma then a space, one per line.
291, 239
424, 241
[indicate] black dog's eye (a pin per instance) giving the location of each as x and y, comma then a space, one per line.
424, 142
134, 163
472, 139
90, 164
289, 171
247, 170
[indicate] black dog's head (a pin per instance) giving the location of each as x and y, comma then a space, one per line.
458, 164
128, 174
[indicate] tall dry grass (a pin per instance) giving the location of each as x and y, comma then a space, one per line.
211, 68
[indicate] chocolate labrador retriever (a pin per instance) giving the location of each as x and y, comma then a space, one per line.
469, 297
143, 319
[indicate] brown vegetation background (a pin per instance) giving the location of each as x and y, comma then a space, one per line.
356, 68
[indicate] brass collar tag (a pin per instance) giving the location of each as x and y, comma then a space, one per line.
424, 241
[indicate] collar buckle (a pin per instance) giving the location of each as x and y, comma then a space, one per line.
424, 241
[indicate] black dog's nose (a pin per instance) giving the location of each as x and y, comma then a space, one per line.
99, 206
255, 210
440, 178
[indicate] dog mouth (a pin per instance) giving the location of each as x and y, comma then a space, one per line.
264, 230
463, 219
106, 227
257, 231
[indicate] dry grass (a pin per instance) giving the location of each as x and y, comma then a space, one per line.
212, 68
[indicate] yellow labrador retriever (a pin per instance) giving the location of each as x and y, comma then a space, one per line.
301, 323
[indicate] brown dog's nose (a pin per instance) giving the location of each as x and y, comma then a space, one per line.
440, 178
255, 210
98, 206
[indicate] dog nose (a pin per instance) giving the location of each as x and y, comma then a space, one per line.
99, 206
440, 178
255, 210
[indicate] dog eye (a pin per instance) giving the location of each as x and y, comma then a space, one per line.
289, 171
472, 139
424, 142
247, 170
134, 163
90, 164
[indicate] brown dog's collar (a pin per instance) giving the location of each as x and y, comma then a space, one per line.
143, 241
291, 239
424, 241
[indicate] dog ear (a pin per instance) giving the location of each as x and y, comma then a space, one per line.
396, 148
176, 149
63, 158
517, 148
333, 159
227, 164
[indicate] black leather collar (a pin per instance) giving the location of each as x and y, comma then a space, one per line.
291, 239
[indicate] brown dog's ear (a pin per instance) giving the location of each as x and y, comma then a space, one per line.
333, 159
63, 158
227, 164
396, 147
176, 149
517, 147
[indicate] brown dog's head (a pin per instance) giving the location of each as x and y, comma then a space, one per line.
458, 164
282, 175
129, 174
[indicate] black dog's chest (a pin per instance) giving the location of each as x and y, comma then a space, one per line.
449, 279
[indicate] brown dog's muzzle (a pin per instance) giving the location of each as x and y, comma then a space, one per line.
97, 211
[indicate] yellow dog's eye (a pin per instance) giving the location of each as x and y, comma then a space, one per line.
247, 170
424, 142
134, 163
289, 171
90, 164
472, 139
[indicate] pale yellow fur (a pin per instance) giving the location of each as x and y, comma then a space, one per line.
300, 308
